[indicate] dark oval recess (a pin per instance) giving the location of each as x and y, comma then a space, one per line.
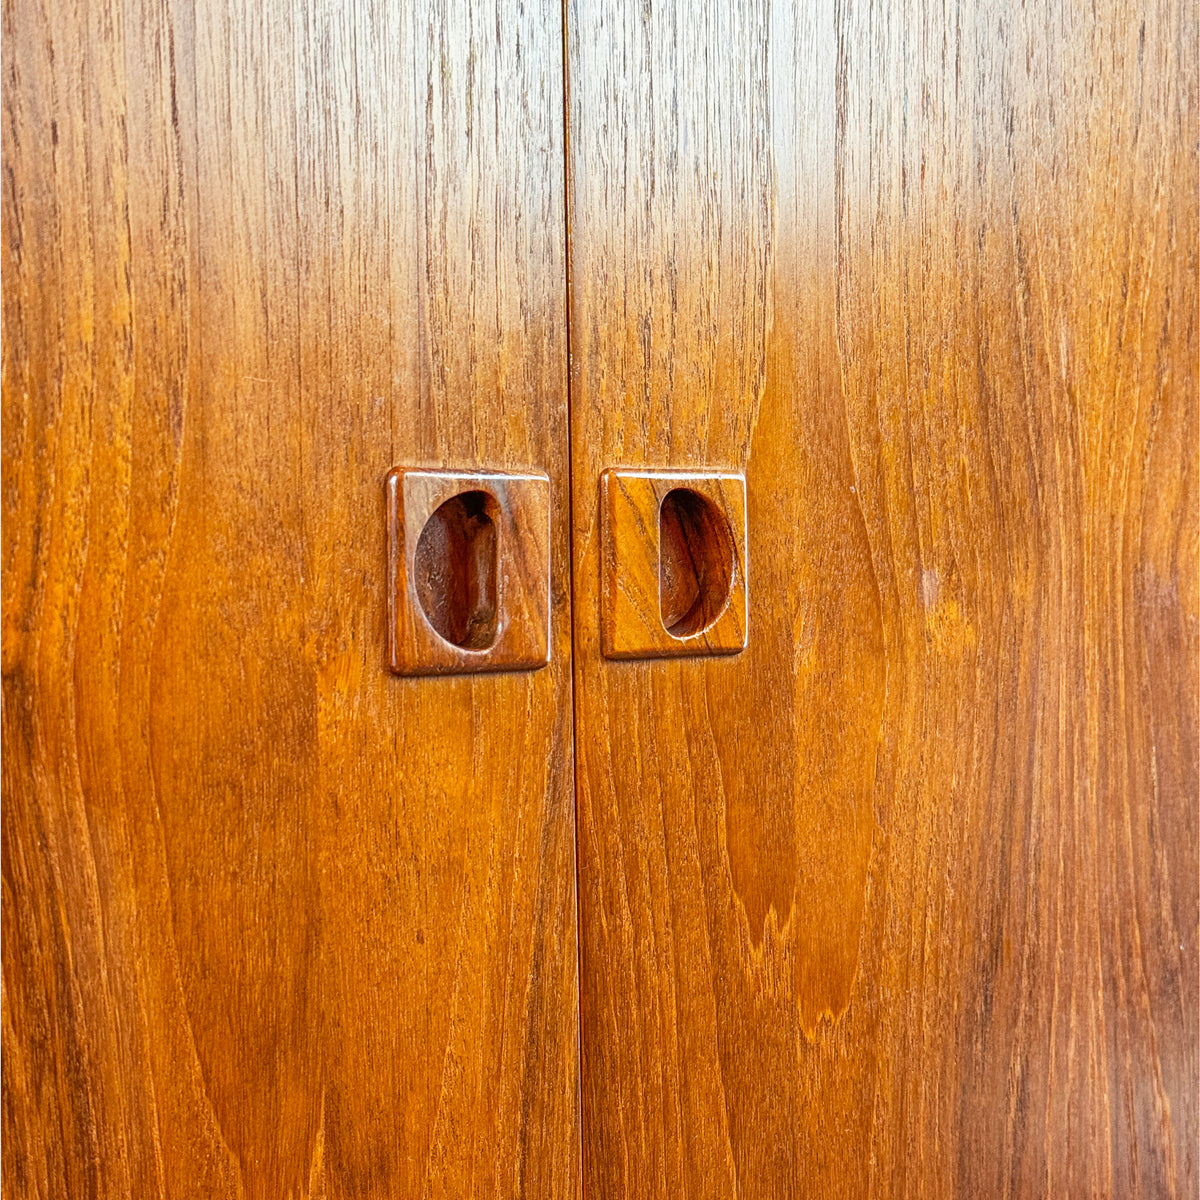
696, 562
455, 570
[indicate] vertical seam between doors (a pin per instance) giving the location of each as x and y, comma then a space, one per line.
568, 190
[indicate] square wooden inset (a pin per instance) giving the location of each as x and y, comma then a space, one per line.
469, 571
673, 563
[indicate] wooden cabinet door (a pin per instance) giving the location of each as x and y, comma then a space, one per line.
901, 900
276, 923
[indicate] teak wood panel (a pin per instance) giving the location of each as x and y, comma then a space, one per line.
902, 900
276, 922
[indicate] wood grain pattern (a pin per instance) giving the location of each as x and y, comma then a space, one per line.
901, 901
672, 563
276, 923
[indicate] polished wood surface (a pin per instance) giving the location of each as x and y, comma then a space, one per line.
902, 900
276, 923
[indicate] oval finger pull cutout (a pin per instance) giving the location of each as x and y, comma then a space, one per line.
673, 563
455, 570
469, 571
695, 562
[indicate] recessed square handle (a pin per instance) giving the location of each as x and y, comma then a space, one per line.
469, 571
673, 563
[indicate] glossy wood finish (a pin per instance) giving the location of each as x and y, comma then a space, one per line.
902, 900
672, 563
468, 570
276, 923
